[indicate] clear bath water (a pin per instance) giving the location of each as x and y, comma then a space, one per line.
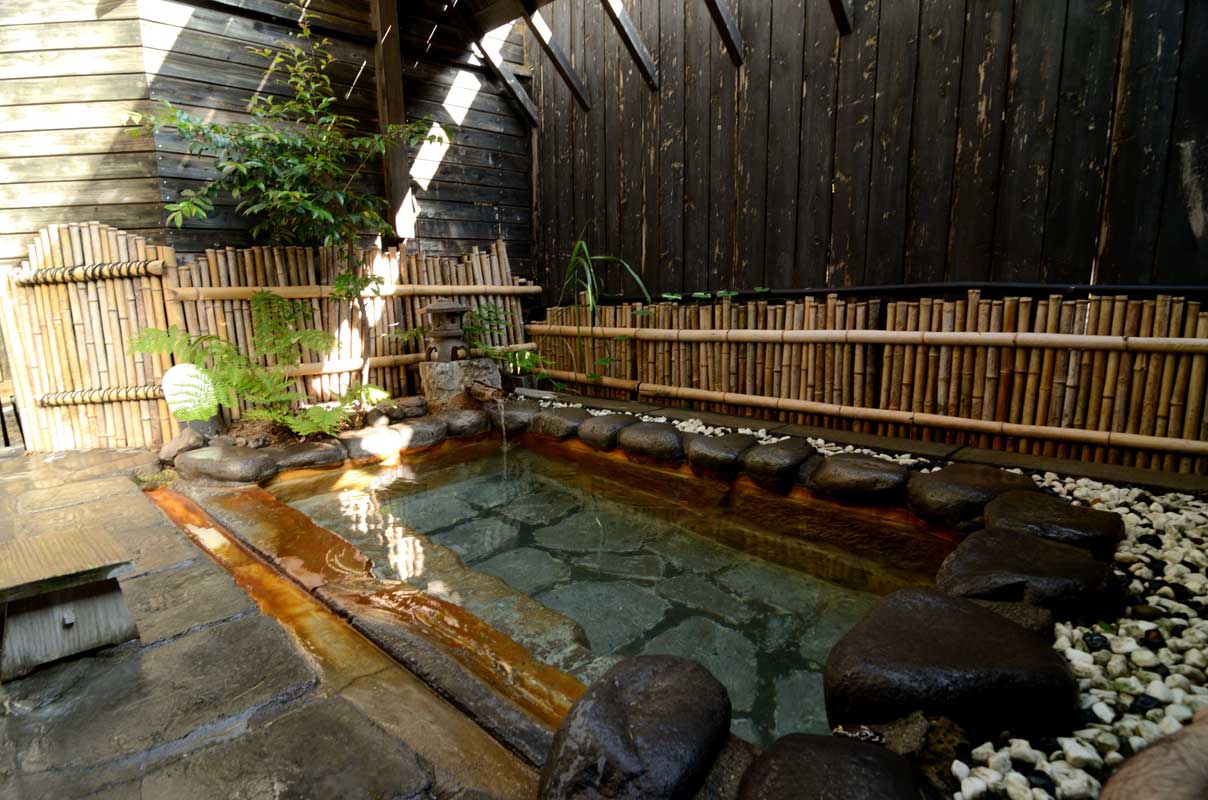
635, 579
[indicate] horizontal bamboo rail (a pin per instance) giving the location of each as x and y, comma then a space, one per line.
1121, 344
68, 315
92, 272
1102, 438
315, 292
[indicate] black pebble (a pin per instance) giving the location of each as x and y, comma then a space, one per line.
1160, 669
1143, 702
1151, 539
1147, 612
1154, 639
1041, 780
1095, 642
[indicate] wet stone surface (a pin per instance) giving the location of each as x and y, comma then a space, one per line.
582, 557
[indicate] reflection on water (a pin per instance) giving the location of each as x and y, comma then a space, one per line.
629, 572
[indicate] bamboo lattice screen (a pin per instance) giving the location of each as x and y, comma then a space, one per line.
1111, 379
67, 317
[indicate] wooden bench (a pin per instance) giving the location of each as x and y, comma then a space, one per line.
59, 596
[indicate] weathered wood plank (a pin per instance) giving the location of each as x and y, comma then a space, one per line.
594, 172
816, 171
54, 63
73, 141
1141, 129
553, 50
631, 37
854, 114
1183, 239
67, 116
723, 155
727, 28
783, 146
67, 11
698, 35
15, 196
78, 167
754, 88
888, 196
979, 139
933, 139
74, 36
36, 91
670, 275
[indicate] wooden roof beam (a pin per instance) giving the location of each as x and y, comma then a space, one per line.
842, 11
545, 38
727, 26
504, 73
633, 41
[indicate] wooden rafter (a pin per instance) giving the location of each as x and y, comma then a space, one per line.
727, 26
545, 38
504, 73
633, 41
842, 11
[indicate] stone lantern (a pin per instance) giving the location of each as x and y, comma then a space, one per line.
445, 340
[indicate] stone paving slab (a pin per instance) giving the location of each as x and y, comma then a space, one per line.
174, 600
728, 654
140, 698
1153, 480
154, 547
326, 749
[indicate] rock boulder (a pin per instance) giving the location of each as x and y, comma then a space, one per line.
323, 453
601, 432
801, 766
656, 440
226, 465
957, 494
919, 650
188, 439
860, 478
514, 417
649, 728
774, 466
1053, 518
466, 422
719, 453
559, 423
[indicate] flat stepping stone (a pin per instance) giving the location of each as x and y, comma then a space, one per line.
377, 444
957, 494
1007, 565
643, 567
650, 727
526, 569
1053, 518
595, 606
719, 453
541, 506
514, 417
324, 453
692, 552
778, 587
702, 595
591, 532
559, 423
920, 650
860, 478
729, 655
421, 432
656, 440
806, 766
800, 703
226, 465
775, 466
601, 432
479, 539
466, 422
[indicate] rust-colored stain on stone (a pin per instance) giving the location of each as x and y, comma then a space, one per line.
308, 553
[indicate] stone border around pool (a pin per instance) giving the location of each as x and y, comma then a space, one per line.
969, 496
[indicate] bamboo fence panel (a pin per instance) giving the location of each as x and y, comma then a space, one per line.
67, 316
1099, 378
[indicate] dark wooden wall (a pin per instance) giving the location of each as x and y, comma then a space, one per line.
72, 71
1061, 141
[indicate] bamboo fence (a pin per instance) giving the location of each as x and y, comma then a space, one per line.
1102, 378
68, 314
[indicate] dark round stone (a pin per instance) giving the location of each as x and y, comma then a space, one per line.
945, 656
801, 766
1153, 639
1042, 780
657, 440
559, 423
226, 465
466, 422
514, 417
323, 453
602, 432
718, 453
1147, 612
1095, 642
996, 564
650, 727
860, 478
1151, 539
1053, 518
774, 466
957, 494
1144, 702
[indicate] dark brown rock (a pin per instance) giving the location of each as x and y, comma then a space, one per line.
226, 465
559, 423
649, 728
188, 439
946, 656
998, 564
719, 453
800, 766
421, 432
323, 453
1036, 619
466, 422
774, 466
957, 494
601, 432
657, 440
1053, 518
514, 417
860, 478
